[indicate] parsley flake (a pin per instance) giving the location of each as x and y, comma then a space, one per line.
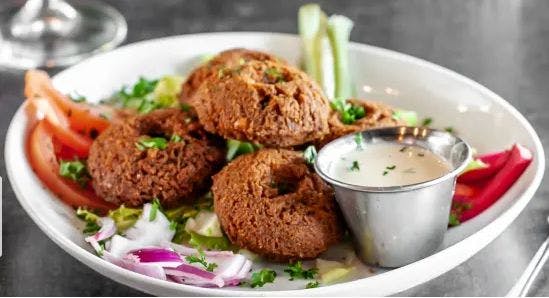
427, 122
275, 74
453, 221
349, 113
355, 166
260, 278
75, 170
151, 143
312, 284
296, 270
201, 259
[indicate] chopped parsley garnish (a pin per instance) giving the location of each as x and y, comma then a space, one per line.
312, 284
176, 138
358, 140
155, 206
449, 129
75, 170
140, 89
453, 221
151, 143
387, 169
101, 248
260, 278
403, 149
91, 228
355, 166
201, 259
421, 154
348, 113
275, 74
427, 122
296, 270
310, 154
76, 97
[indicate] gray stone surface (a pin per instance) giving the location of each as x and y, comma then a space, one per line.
503, 44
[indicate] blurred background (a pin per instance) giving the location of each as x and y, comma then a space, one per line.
503, 44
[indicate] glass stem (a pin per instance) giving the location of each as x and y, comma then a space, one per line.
38, 18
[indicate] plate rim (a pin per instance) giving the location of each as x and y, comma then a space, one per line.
481, 237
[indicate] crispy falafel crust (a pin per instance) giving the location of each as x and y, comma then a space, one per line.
265, 102
377, 115
226, 59
121, 173
273, 204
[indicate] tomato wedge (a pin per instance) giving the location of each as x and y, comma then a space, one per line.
59, 126
42, 157
81, 117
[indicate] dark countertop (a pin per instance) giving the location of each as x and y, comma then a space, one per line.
503, 44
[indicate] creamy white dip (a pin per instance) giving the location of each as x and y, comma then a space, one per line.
388, 164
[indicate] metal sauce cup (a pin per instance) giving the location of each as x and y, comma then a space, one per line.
397, 225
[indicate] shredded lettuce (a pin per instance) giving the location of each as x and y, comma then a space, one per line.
148, 95
212, 243
236, 148
125, 217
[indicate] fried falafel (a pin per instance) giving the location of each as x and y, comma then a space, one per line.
122, 171
266, 102
273, 204
226, 59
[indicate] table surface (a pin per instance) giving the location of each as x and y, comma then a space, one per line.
503, 44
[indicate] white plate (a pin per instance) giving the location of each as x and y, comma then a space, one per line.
478, 115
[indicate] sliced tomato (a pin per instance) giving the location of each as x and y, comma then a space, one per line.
59, 126
42, 157
81, 117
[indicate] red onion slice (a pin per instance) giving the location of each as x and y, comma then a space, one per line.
152, 270
108, 229
194, 275
189, 251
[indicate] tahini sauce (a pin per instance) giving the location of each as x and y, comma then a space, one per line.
389, 164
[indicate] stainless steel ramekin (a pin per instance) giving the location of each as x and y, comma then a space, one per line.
395, 226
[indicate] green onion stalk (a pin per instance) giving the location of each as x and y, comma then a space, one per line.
312, 29
339, 31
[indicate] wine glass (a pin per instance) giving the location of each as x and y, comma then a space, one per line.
54, 33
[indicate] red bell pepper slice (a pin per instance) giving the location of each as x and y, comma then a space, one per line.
495, 162
519, 159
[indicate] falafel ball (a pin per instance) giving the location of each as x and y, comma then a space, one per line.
273, 204
124, 172
377, 115
226, 59
265, 102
